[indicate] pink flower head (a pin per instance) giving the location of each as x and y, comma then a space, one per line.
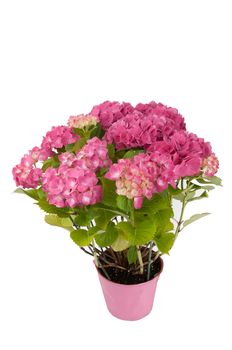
58, 137
71, 185
27, 174
83, 121
109, 112
94, 154
140, 129
210, 165
142, 176
186, 150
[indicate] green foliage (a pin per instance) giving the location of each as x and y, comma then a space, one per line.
111, 151
132, 255
103, 219
109, 192
194, 218
83, 237
30, 193
123, 203
164, 241
55, 220
79, 144
152, 206
133, 152
52, 209
108, 237
121, 243
51, 162
145, 229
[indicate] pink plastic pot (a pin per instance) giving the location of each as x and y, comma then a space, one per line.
129, 302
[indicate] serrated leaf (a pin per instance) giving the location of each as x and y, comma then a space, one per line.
127, 229
107, 238
52, 209
164, 242
145, 229
120, 243
131, 153
123, 203
132, 255
82, 237
55, 220
103, 219
163, 222
30, 193
194, 218
155, 204
109, 192
111, 151
82, 219
210, 180
203, 195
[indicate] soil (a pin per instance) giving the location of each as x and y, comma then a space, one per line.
126, 277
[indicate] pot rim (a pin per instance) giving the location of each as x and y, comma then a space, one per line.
132, 285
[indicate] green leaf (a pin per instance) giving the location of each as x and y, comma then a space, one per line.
52, 209
123, 203
70, 147
121, 243
165, 242
131, 153
79, 131
51, 162
103, 219
55, 220
109, 192
210, 180
31, 193
145, 229
194, 218
155, 204
127, 229
162, 219
132, 255
111, 151
79, 144
106, 238
82, 237
82, 219
203, 195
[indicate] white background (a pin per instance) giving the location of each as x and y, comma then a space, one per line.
60, 58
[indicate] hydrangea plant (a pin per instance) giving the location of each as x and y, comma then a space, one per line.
110, 178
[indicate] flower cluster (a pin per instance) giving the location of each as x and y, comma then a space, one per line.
59, 137
94, 154
146, 124
142, 176
210, 165
169, 152
71, 184
26, 174
109, 112
186, 150
82, 121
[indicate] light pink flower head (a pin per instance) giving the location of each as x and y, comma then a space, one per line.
82, 121
210, 165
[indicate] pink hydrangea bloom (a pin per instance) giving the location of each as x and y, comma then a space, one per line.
58, 137
142, 176
82, 121
26, 173
109, 112
94, 155
187, 152
144, 127
210, 165
71, 184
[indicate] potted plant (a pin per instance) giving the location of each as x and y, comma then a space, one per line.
110, 178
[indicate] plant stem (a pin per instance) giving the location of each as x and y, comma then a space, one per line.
149, 261
140, 259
